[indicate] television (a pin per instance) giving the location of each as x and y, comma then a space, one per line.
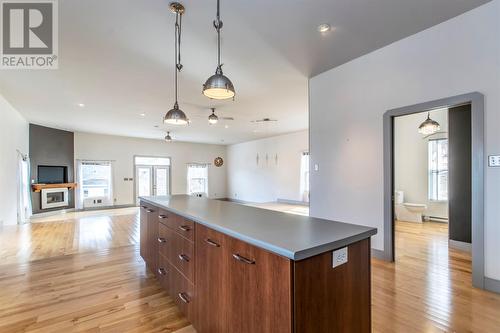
52, 174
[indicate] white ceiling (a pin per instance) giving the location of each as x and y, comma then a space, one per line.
116, 57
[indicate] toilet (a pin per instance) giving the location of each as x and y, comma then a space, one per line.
406, 211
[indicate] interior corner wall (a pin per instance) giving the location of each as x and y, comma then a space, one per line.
121, 150
347, 104
411, 160
13, 136
267, 179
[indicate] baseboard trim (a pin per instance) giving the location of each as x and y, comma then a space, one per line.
105, 208
492, 285
462, 246
53, 212
293, 202
379, 254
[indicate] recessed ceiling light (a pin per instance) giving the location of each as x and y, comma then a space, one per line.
142, 114
226, 126
81, 105
325, 27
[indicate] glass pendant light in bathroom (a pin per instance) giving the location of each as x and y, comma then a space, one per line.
429, 126
218, 86
176, 116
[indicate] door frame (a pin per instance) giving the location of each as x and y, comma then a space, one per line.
476, 100
134, 166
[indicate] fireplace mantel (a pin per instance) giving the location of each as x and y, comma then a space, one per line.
39, 187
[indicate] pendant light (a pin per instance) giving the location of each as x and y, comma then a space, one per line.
218, 86
213, 119
429, 126
168, 138
176, 116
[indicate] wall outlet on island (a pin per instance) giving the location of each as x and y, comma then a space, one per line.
339, 257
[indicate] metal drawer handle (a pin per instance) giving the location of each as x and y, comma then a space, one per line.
161, 240
185, 227
184, 297
211, 242
162, 216
184, 257
145, 207
149, 210
162, 271
243, 259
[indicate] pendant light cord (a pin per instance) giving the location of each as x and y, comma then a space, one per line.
218, 27
177, 37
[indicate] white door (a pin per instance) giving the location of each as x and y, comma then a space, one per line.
151, 180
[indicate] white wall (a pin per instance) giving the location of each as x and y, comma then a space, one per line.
14, 134
411, 160
268, 180
459, 56
123, 149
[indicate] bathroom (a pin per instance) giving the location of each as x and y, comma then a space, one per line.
421, 168
432, 178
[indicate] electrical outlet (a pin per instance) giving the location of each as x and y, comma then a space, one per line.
316, 167
339, 257
494, 161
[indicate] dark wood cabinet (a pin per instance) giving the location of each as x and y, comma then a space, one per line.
259, 292
143, 229
224, 285
211, 280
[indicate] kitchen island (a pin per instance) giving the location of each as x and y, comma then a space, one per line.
233, 268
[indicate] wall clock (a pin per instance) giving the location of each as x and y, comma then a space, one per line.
218, 162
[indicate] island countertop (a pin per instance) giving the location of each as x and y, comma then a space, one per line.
293, 236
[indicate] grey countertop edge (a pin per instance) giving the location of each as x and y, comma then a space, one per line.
296, 256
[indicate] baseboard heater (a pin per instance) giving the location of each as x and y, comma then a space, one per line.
437, 219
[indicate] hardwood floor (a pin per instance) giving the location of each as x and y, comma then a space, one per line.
429, 289
85, 275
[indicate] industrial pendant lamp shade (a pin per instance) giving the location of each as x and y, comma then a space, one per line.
176, 116
213, 119
168, 138
218, 86
429, 126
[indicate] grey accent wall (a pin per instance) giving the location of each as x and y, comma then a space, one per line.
460, 173
49, 146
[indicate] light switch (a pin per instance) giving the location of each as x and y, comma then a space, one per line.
339, 257
316, 167
494, 161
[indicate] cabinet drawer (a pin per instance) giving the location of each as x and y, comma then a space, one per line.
165, 236
181, 254
182, 291
177, 223
163, 273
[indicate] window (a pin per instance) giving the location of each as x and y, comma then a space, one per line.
438, 170
96, 180
197, 179
304, 176
144, 160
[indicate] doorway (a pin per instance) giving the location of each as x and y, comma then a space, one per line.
476, 156
152, 176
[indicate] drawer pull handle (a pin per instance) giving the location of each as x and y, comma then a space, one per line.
243, 259
211, 242
145, 207
162, 216
185, 228
184, 297
184, 257
161, 240
149, 210
162, 271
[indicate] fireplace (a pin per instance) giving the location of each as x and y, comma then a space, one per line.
54, 197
